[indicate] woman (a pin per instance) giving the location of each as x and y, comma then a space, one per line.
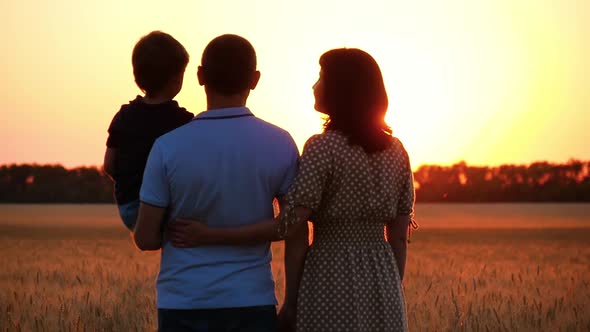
354, 179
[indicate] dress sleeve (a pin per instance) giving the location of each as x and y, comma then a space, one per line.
310, 182
405, 204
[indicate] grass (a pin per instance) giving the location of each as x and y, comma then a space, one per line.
84, 274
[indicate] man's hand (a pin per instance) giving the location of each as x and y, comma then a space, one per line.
184, 233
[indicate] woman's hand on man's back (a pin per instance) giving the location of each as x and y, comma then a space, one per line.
185, 233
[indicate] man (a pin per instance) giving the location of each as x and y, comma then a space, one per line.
225, 168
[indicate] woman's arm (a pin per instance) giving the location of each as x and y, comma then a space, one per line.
184, 233
397, 236
296, 245
187, 233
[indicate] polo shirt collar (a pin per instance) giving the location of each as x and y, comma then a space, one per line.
223, 112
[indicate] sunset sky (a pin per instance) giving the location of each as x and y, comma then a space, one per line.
488, 82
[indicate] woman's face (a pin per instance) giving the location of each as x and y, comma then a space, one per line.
318, 93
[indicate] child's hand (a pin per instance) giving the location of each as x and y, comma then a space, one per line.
184, 233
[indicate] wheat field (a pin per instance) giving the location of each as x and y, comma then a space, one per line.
470, 268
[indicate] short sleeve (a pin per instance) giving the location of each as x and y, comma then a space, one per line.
115, 138
314, 167
155, 188
405, 205
291, 170
310, 182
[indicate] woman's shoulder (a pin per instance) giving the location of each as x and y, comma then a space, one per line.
397, 147
326, 144
328, 137
396, 142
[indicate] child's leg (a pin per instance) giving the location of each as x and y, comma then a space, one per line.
128, 213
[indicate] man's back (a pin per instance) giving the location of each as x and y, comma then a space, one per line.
224, 168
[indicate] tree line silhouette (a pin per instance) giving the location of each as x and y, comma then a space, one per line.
537, 182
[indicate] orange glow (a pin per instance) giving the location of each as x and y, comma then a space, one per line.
487, 82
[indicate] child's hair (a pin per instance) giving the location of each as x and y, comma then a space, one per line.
228, 63
157, 58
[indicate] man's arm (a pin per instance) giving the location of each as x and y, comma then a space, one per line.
155, 198
148, 229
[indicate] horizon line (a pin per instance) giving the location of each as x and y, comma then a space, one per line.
415, 167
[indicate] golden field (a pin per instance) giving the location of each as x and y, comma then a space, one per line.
502, 267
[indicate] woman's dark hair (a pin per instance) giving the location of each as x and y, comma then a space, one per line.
157, 58
354, 98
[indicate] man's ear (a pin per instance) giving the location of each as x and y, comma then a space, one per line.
254, 80
201, 76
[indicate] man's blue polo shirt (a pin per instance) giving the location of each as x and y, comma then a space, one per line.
225, 168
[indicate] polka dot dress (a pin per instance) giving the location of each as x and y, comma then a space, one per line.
350, 280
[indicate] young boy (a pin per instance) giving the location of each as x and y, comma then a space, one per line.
159, 62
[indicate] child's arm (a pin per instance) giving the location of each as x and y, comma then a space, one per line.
109, 161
